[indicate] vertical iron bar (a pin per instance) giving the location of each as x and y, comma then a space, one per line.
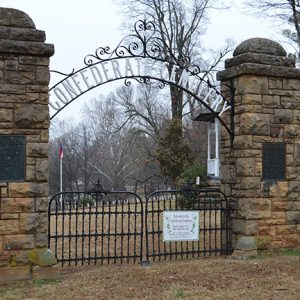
70, 230
82, 234
221, 226
135, 231
116, 229
181, 247
146, 225
63, 232
216, 226
226, 228
76, 229
190, 196
200, 230
153, 232
210, 229
176, 208
210, 226
142, 229
170, 208
96, 226
49, 223
193, 208
128, 233
90, 221
122, 229
204, 224
200, 208
56, 226
108, 232
102, 230
158, 227
164, 208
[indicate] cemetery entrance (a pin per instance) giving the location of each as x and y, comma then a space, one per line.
266, 114
108, 226
103, 226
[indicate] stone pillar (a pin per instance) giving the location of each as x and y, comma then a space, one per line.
24, 79
267, 110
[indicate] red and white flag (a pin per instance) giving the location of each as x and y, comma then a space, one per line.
61, 153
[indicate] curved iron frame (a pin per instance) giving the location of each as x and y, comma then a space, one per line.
148, 47
96, 193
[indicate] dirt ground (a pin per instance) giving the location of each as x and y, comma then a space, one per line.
268, 277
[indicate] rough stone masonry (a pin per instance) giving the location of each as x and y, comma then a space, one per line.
266, 113
24, 79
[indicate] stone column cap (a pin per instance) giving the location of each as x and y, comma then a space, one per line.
18, 35
259, 56
259, 45
15, 18
258, 69
30, 48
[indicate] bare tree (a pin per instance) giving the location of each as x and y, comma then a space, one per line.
124, 129
180, 24
145, 108
75, 140
111, 147
115, 143
287, 12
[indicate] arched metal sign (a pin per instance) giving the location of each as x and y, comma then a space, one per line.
144, 60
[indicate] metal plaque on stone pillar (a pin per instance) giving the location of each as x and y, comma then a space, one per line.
274, 161
12, 157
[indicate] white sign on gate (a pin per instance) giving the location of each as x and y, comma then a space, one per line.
181, 225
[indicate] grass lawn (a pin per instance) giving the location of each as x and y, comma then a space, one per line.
275, 276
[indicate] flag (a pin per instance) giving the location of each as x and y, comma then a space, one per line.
61, 153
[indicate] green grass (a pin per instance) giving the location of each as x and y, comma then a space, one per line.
289, 252
11, 292
41, 282
179, 294
275, 277
279, 252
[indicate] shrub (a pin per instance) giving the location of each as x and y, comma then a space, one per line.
86, 201
192, 172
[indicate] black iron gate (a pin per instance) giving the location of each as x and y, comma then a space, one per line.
118, 226
96, 227
214, 236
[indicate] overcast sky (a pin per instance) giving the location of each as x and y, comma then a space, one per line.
78, 27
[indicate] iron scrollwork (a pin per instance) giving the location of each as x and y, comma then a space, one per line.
97, 192
144, 43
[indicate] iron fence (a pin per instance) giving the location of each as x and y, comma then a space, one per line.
96, 227
118, 226
214, 223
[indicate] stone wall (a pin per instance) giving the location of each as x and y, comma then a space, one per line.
24, 78
267, 110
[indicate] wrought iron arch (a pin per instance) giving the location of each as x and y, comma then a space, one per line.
144, 45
